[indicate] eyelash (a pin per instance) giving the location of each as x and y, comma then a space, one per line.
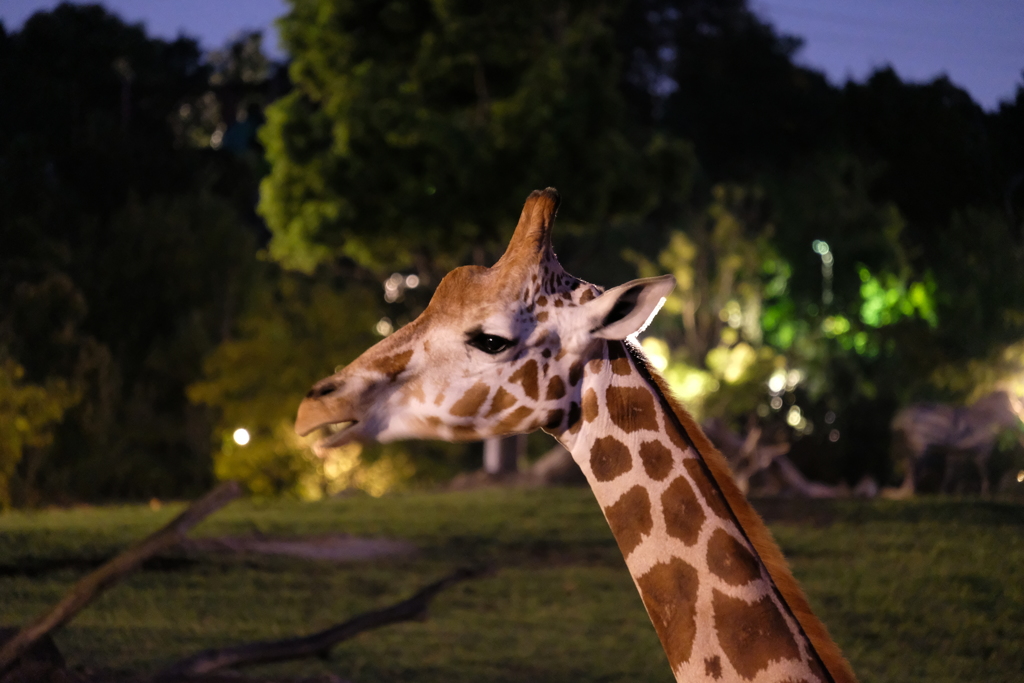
490, 343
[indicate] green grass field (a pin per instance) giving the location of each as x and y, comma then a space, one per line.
927, 590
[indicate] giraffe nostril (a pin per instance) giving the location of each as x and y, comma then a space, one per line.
322, 390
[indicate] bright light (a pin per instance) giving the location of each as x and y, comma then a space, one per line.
777, 382
412, 281
1020, 477
777, 402
384, 327
820, 247
241, 436
657, 360
793, 418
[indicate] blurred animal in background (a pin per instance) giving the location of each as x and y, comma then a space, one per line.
947, 448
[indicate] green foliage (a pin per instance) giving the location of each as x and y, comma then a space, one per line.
28, 415
416, 128
726, 270
124, 249
887, 298
296, 330
129, 166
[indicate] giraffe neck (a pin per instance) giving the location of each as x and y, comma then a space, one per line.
697, 551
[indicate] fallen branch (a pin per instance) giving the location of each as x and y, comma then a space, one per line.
90, 586
314, 645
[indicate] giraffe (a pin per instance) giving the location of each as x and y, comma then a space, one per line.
524, 345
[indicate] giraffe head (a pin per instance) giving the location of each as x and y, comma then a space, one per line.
497, 351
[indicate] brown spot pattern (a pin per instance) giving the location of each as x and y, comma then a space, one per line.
587, 295
630, 518
542, 301
656, 458
416, 392
559, 303
621, 367
464, 433
542, 317
574, 423
502, 400
609, 458
556, 389
575, 373
681, 441
510, 421
713, 667
752, 635
470, 403
631, 408
683, 514
595, 365
708, 488
392, 366
729, 560
590, 407
669, 591
526, 375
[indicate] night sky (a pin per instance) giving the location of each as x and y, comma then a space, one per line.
979, 45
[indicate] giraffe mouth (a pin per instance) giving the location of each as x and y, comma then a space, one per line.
336, 434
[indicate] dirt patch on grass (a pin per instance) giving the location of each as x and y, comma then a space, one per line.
334, 547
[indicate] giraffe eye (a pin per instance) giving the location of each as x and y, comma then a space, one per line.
489, 343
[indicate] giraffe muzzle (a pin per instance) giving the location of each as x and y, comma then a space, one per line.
315, 414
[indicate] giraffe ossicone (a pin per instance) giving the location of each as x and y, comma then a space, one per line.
522, 346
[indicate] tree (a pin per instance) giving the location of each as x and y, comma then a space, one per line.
28, 415
415, 128
124, 252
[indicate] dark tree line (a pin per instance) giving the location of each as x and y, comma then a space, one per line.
125, 248
403, 139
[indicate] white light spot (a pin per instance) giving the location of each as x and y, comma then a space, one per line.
777, 382
793, 417
776, 402
830, 417
384, 327
1020, 477
241, 436
412, 281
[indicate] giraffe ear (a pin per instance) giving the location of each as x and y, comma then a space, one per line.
629, 308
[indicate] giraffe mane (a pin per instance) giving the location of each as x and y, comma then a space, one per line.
752, 526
